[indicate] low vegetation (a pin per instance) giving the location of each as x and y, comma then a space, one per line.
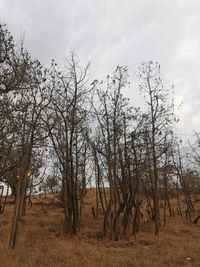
42, 242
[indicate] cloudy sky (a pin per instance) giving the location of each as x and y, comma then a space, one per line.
124, 32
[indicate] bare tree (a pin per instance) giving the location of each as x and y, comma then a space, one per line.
30, 105
158, 125
68, 127
113, 116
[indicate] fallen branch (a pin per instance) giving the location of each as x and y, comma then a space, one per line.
196, 220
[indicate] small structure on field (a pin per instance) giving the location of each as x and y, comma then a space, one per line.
1, 194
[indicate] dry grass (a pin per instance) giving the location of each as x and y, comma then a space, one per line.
41, 242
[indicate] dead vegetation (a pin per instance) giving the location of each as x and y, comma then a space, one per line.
42, 243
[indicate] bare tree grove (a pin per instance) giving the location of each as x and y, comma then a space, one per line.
62, 132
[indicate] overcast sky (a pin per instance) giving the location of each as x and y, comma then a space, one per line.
124, 32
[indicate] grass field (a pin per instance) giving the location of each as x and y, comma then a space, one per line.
41, 242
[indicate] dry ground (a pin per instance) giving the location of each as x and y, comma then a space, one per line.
42, 244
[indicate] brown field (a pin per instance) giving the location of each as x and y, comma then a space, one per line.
41, 242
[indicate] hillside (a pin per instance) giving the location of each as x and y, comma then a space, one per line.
41, 242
